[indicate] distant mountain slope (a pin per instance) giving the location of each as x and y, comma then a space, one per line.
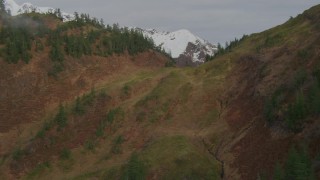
185, 47
16, 9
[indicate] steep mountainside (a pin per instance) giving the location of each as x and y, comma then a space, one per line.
186, 48
109, 109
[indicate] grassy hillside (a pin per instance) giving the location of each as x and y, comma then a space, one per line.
252, 112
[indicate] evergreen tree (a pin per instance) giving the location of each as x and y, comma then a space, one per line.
56, 53
78, 108
61, 117
278, 172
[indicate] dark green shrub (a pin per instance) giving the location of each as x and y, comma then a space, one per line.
126, 90
116, 148
90, 145
17, 154
65, 154
135, 169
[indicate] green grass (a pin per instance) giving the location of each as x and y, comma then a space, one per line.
155, 105
184, 92
177, 158
211, 116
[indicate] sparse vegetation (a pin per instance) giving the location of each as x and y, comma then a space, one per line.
116, 148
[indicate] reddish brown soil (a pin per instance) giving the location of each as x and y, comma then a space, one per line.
27, 90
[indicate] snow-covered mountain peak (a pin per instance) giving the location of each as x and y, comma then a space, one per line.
12, 6
16, 9
181, 44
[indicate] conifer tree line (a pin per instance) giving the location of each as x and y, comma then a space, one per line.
19, 38
229, 46
17, 43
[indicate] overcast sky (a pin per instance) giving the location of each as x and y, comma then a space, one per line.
213, 20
